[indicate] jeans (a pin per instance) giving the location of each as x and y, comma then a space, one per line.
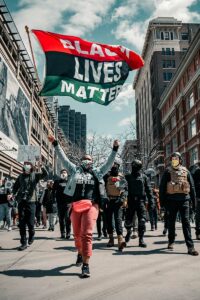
64, 218
114, 208
139, 208
153, 215
5, 213
52, 220
183, 207
26, 217
197, 217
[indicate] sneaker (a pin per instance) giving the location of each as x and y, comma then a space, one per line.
44, 227
62, 236
165, 231
85, 271
134, 235
193, 252
79, 260
99, 238
9, 228
68, 236
171, 246
22, 247
30, 240
142, 244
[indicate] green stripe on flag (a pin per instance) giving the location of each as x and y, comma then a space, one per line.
80, 91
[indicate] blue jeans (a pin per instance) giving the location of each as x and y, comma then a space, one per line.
5, 213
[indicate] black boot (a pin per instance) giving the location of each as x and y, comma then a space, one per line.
31, 240
128, 236
22, 247
142, 244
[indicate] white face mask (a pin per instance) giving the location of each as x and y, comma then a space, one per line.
27, 168
64, 176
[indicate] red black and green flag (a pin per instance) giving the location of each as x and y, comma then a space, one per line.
84, 70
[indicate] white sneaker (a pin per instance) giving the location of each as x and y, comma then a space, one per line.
9, 228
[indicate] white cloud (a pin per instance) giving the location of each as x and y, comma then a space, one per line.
133, 31
124, 98
127, 121
65, 16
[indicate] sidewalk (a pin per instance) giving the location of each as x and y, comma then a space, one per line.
47, 271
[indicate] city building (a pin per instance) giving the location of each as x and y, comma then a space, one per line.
166, 43
73, 125
180, 108
129, 152
25, 118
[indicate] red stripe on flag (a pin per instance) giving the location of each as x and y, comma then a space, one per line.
76, 46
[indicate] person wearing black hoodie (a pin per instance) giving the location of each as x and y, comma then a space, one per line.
63, 204
24, 190
138, 189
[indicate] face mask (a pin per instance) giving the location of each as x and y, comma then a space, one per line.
114, 171
86, 164
175, 163
27, 168
64, 176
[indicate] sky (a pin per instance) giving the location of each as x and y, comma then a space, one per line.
119, 22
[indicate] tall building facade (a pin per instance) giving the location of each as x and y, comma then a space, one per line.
129, 153
25, 118
73, 125
166, 43
180, 108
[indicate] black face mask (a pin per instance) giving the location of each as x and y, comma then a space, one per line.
114, 171
135, 169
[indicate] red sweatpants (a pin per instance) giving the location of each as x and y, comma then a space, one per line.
83, 225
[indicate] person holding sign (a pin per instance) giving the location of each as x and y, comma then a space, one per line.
83, 187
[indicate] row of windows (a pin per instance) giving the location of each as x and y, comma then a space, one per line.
180, 139
170, 35
168, 64
168, 51
189, 103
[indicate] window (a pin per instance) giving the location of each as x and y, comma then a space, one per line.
184, 36
190, 101
168, 51
182, 136
193, 154
167, 128
168, 149
173, 121
168, 63
192, 128
198, 89
174, 144
167, 35
184, 49
167, 76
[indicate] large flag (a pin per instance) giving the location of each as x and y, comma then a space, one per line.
84, 70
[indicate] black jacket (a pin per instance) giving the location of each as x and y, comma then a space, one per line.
196, 177
25, 186
139, 186
58, 192
164, 197
49, 202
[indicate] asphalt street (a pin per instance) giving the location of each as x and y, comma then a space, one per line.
47, 271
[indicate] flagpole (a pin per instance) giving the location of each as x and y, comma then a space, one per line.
32, 54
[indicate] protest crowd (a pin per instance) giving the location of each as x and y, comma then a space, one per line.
119, 205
